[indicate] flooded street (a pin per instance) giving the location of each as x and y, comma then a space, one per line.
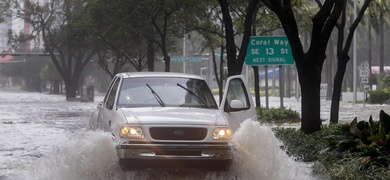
45, 137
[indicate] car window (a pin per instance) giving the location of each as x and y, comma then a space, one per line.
237, 91
108, 89
111, 95
135, 92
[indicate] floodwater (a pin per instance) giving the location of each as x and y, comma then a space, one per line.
43, 137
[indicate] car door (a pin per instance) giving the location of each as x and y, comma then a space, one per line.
106, 112
237, 103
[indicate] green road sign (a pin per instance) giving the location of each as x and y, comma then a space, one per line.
269, 50
186, 59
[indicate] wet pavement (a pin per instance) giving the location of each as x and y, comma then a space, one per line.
45, 137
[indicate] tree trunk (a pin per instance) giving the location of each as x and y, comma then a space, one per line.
167, 61
381, 51
343, 58
257, 89
234, 68
167, 58
311, 121
217, 77
328, 69
56, 86
221, 74
71, 89
72, 80
310, 80
337, 85
150, 55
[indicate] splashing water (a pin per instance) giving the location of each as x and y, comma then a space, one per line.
86, 155
91, 155
259, 156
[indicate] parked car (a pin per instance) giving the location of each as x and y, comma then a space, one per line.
172, 120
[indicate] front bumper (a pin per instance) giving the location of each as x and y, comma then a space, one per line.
212, 156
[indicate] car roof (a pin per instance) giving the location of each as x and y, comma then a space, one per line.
158, 74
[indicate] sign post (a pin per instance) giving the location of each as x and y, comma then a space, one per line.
364, 74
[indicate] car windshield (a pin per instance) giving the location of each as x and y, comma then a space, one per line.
170, 91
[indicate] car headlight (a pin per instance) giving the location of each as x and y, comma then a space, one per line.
222, 134
131, 132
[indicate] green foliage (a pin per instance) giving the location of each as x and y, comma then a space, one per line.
305, 147
385, 81
278, 115
367, 139
379, 96
337, 152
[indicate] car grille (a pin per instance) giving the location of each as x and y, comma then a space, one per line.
178, 133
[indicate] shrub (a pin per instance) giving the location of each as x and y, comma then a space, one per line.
335, 152
305, 147
356, 150
278, 115
379, 97
368, 139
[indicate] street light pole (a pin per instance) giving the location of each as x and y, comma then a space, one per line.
354, 58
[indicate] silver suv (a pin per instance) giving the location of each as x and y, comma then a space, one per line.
171, 120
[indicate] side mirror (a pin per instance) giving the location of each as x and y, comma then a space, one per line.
235, 105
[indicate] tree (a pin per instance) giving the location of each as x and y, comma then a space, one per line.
235, 62
343, 57
210, 24
237, 22
130, 30
309, 64
234, 65
121, 34
61, 27
378, 12
168, 19
50, 73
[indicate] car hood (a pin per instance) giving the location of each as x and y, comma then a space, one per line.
174, 115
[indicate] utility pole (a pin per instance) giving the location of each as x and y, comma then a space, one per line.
354, 58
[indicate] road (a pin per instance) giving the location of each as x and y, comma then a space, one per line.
45, 137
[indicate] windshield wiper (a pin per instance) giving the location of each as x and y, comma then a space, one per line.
200, 100
159, 100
